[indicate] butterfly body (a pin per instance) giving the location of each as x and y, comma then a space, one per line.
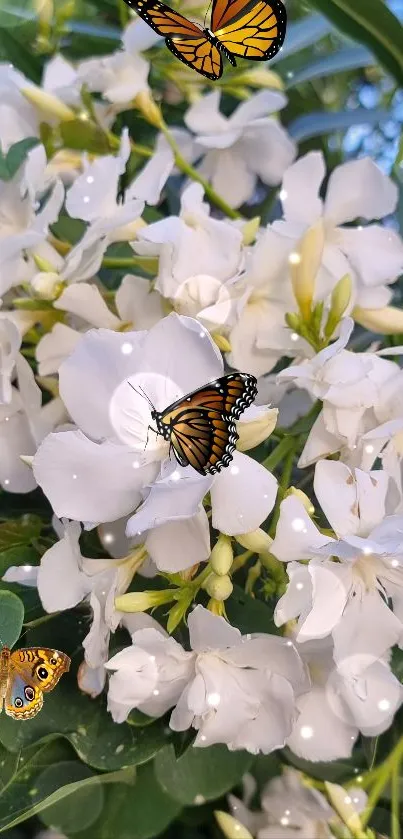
24, 677
252, 29
201, 428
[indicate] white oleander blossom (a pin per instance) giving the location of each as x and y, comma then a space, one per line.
360, 695
239, 149
114, 465
137, 305
65, 578
234, 689
373, 254
200, 260
347, 586
290, 809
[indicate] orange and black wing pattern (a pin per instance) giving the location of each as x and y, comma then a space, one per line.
253, 29
201, 426
185, 39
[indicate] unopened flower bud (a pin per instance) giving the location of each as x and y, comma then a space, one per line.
257, 541
255, 431
47, 285
231, 828
140, 601
219, 588
386, 321
260, 77
222, 556
304, 265
303, 498
249, 230
341, 296
221, 342
216, 607
149, 108
342, 803
293, 321
48, 103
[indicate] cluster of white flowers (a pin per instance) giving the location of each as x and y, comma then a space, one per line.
223, 291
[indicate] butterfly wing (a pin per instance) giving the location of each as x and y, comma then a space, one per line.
253, 29
32, 671
22, 700
185, 39
204, 440
202, 425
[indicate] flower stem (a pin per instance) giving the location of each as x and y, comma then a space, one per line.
187, 169
395, 812
384, 774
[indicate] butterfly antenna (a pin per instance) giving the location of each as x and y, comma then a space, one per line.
207, 11
142, 393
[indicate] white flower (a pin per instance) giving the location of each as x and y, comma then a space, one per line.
342, 702
18, 119
65, 577
24, 227
103, 471
348, 597
200, 259
246, 146
23, 424
259, 336
243, 689
372, 255
150, 675
137, 305
10, 342
123, 74
353, 388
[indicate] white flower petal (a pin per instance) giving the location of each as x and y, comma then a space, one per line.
175, 546
331, 583
86, 301
242, 495
210, 632
173, 498
358, 189
137, 303
376, 254
56, 347
61, 583
319, 734
296, 535
300, 189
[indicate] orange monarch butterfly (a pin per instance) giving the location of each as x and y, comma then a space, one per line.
253, 29
200, 427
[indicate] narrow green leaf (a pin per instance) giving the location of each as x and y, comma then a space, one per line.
372, 24
11, 618
83, 136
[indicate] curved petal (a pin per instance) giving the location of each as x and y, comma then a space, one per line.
331, 584
211, 632
137, 303
16, 439
56, 347
376, 254
61, 583
296, 535
231, 176
90, 376
86, 301
89, 481
300, 189
175, 546
242, 496
205, 114
358, 189
319, 734
176, 497
258, 105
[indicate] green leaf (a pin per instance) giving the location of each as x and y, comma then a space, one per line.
84, 136
336, 772
19, 532
17, 556
16, 155
249, 614
200, 774
141, 813
11, 618
371, 24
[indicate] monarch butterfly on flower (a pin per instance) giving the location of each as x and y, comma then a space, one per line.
253, 29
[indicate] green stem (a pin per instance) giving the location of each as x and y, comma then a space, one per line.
395, 795
284, 483
383, 776
189, 170
279, 453
148, 263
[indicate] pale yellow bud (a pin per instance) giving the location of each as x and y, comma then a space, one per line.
342, 803
149, 108
260, 77
387, 321
255, 431
249, 230
303, 498
43, 264
219, 588
257, 541
304, 264
48, 103
222, 343
340, 299
28, 459
129, 231
140, 601
222, 556
231, 828
47, 285
216, 607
